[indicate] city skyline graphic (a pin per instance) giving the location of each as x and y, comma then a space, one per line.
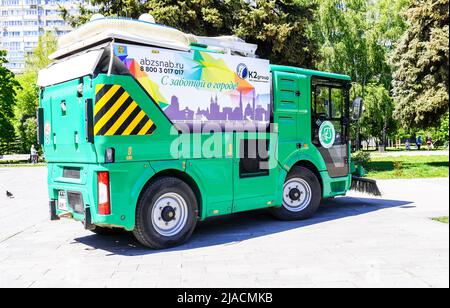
248, 110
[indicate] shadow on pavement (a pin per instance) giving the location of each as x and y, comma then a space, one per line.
243, 226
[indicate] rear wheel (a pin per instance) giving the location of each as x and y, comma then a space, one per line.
302, 194
166, 214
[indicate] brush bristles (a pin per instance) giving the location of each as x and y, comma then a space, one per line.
366, 186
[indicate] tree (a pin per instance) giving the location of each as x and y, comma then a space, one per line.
125, 8
441, 134
421, 62
25, 110
355, 38
39, 59
27, 92
8, 87
340, 30
200, 17
279, 27
377, 120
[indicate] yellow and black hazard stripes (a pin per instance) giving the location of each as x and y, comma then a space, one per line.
117, 114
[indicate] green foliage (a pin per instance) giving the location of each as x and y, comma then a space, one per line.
377, 120
7, 136
28, 131
438, 134
8, 86
361, 158
340, 29
27, 92
441, 134
39, 58
115, 8
27, 95
200, 17
421, 62
25, 110
355, 37
281, 28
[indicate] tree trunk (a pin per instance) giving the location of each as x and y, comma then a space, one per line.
382, 147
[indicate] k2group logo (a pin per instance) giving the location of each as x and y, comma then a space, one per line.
242, 71
327, 134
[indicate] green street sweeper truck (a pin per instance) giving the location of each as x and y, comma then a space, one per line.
150, 130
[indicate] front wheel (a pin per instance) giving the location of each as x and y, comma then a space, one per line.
166, 214
302, 194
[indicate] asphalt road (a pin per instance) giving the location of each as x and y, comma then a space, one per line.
353, 241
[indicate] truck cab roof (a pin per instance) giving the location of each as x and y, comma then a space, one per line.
308, 72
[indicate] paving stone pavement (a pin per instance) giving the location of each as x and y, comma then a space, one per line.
353, 241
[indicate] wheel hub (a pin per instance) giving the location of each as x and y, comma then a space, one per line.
295, 194
168, 213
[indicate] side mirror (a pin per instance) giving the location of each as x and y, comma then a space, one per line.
357, 109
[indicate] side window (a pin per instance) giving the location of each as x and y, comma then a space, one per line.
329, 104
337, 99
254, 154
321, 102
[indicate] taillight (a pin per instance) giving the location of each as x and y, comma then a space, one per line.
104, 203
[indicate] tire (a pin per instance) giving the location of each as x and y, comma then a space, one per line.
166, 214
103, 231
302, 194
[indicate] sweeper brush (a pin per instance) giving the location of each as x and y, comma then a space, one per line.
366, 186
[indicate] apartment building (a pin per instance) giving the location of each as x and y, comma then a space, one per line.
22, 22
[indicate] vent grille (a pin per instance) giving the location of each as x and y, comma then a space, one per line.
71, 173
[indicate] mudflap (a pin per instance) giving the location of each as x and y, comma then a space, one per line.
53, 215
88, 219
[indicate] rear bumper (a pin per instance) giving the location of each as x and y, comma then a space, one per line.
126, 182
83, 186
54, 215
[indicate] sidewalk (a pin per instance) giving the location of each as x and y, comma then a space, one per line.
354, 241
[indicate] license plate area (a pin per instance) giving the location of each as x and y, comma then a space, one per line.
62, 201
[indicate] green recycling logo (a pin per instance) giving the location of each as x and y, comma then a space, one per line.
327, 134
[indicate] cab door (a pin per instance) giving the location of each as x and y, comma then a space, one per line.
330, 124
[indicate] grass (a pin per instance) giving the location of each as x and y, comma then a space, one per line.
442, 219
408, 167
402, 148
